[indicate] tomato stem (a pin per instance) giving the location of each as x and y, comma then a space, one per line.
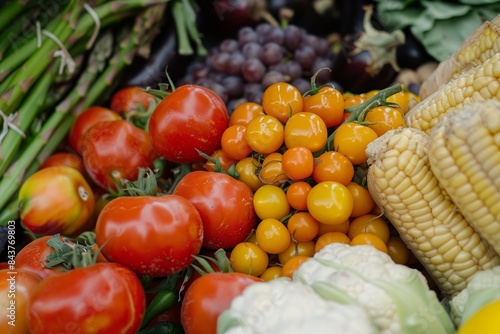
183, 171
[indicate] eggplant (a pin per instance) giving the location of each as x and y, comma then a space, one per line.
412, 53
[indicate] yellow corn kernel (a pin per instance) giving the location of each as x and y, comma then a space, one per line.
464, 155
478, 48
429, 222
478, 84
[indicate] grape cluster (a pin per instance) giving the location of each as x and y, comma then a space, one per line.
240, 69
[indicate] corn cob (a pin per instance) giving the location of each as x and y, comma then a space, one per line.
464, 155
477, 84
403, 186
479, 47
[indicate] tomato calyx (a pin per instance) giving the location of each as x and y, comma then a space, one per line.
69, 254
315, 89
140, 117
217, 165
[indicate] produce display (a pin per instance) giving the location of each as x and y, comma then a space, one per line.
281, 178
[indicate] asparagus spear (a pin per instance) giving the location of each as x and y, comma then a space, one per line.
10, 11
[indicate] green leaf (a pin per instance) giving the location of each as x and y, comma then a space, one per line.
478, 2
440, 10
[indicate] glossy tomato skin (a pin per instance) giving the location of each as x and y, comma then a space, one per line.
190, 118
208, 297
16, 290
85, 121
100, 298
55, 199
64, 159
152, 235
116, 150
130, 99
225, 205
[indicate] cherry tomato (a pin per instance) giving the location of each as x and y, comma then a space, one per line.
351, 139
225, 206
397, 250
161, 233
403, 99
333, 166
271, 273
115, 150
292, 264
329, 238
208, 297
249, 258
363, 202
327, 103
190, 118
245, 112
131, 99
270, 202
264, 134
353, 100
271, 171
342, 228
224, 160
100, 298
298, 163
330, 202
64, 159
85, 121
282, 100
369, 94
296, 194
384, 119
272, 236
55, 200
298, 248
302, 226
306, 129
369, 224
16, 288
247, 169
234, 144
369, 239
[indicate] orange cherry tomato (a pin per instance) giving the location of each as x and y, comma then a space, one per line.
353, 100
282, 100
245, 112
264, 134
298, 162
397, 250
333, 166
271, 273
384, 119
272, 171
292, 265
224, 160
327, 103
331, 237
404, 100
302, 226
342, 227
296, 194
306, 129
351, 139
249, 258
369, 94
247, 170
304, 248
272, 236
369, 224
369, 239
363, 200
234, 144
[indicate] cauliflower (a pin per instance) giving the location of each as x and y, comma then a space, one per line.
396, 297
285, 306
482, 288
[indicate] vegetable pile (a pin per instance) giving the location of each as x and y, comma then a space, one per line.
244, 198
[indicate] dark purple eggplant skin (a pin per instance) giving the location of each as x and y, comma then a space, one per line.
412, 53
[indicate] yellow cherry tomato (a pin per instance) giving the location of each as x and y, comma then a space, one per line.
271, 273
363, 202
351, 139
303, 248
272, 236
281, 100
248, 258
384, 119
247, 169
264, 134
306, 129
329, 238
397, 250
292, 265
483, 321
270, 202
330, 202
369, 224
342, 228
333, 166
328, 103
369, 239
271, 171
245, 112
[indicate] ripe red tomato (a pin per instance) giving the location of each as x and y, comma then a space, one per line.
64, 159
85, 121
208, 297
16, 288
130, 99
152, 235
100, 298
116, 150
190, 118
55, 200
225, 205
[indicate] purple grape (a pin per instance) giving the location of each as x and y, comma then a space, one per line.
234, 85
247, 35
200, 71
233, 104
324, 76
263, 29
215, 86
253, 70
229, 45
302, 85
294, 70
305, 56
219, 61
276, 35
272, 77
292, 37
272, 53
253, 92
252, 50
234, 63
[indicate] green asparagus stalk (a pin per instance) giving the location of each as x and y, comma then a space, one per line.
184, 48
10, 11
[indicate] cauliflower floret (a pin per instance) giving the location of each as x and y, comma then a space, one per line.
285, 306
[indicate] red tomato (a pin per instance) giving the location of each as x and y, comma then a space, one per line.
116, 150
32, 258
225, 205
16, 288
151, 235
55, 200
100, 298
64, 159
85, 121
131, 99
208, 297
190, 118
